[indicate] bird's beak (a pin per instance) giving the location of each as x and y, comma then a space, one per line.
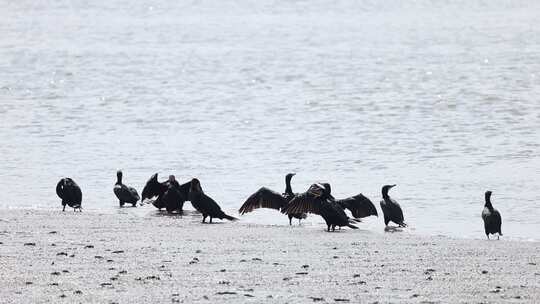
392, 186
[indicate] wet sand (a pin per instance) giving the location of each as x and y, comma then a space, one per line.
51, 256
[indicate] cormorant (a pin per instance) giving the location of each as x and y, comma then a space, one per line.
359, 205
70, 193
154, 188
124, 193
318, 200
492, 218
174, 197
266, 198
205, 204
391, 209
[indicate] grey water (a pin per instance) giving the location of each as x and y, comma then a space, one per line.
441, 98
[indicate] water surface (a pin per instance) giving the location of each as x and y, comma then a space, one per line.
439, 97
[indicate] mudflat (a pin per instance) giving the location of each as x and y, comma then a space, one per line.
123, 257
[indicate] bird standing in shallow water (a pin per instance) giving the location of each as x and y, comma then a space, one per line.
391, 209
70, 193
124, 193
205, 204
266, 198
492, 217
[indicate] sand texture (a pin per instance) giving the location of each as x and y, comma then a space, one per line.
122, 257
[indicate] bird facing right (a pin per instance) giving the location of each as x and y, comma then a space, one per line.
391, 209
205, 204
492, 218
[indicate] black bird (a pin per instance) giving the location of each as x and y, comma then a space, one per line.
492, 218
266, 198
359, 205
174, 197
205, 204
154, 188
70, 193
391, 209
318, 200
124, 193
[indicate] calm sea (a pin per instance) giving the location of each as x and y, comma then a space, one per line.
441, 98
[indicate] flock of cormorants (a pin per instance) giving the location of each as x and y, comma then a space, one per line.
317, 200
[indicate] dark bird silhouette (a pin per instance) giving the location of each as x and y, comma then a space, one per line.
492, 218
359, 205
391, 209
70, 193
266, 198
318, 200
205, 204
154, 188
125, 194
174, 197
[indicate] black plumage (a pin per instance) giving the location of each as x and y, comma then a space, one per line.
492, 217
205, 204
391, 209
125, 194
266, 198
174, 197
359, 205
154, 188
318, 200
70, 193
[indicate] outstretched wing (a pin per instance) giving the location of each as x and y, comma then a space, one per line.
152, 188
184, 189
263, 198
307, 202
359, 205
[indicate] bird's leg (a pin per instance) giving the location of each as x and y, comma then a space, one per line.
204, 219
333, 228
328, 228
487, 236
299, 222
290, 220
210, 220
497, 237
64, 209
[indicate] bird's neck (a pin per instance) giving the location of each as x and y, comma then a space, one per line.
119, 180
385, 196
488, 203
288, 188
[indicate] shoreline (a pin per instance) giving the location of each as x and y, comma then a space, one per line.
50, 256
273, 218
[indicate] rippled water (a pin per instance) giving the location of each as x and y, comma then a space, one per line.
439, 97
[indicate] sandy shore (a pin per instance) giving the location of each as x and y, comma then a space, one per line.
50, 256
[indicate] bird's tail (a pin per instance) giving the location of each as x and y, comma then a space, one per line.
230, 218
402, 224
352, 226
355, 220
